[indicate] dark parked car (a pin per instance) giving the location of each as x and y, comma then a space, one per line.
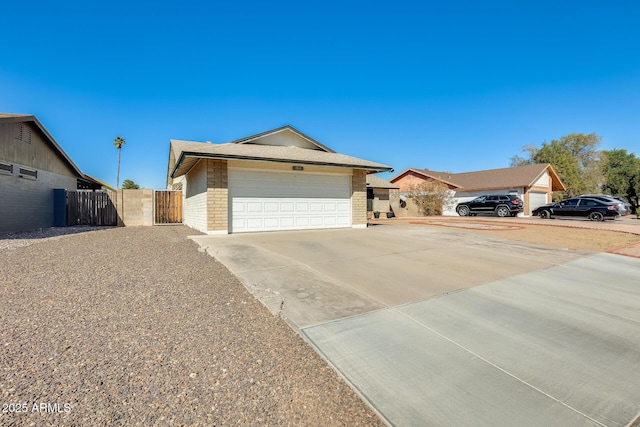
587, 207
623, 207
501, 205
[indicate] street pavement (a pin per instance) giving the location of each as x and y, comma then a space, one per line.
440, 327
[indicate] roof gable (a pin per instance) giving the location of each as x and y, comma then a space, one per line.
286, 136
492, 179
426, 174
5, 117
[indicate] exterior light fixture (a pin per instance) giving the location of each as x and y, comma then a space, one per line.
298, 168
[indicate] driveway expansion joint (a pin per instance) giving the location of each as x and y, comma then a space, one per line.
468, 350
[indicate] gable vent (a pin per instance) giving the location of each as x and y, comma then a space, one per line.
22, 132
29, 172
17, 131
5, 167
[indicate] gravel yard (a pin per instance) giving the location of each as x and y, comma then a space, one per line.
135, 326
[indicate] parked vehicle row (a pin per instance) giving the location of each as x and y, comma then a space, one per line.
596, 209
623, 206
499, 204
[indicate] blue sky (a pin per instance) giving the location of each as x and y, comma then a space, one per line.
456, 86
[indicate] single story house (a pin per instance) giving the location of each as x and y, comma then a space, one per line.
378, 194
277, 180
534, 184
32, 165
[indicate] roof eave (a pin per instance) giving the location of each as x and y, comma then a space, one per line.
185, 154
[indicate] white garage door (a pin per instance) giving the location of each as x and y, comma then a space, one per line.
535, 200
269, 201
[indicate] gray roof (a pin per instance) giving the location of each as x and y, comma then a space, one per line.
187, 154
374, 181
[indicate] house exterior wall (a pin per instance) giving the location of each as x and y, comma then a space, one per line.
543, 181
358, 198
381, 200
206, 192
32, 150
542, 185
27, 203
217, 196
287, 139
406, 181
195, 199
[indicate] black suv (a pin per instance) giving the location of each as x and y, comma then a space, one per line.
501, 205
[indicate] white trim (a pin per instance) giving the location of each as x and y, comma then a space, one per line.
217, 232
236, 168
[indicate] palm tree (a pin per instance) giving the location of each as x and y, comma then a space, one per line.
118, 142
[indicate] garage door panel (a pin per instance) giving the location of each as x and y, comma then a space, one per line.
262, 201
271, 207
316, 221
344, 207
316, 206
288, 207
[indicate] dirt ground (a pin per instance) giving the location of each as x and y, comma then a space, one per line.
563, 234
570, 238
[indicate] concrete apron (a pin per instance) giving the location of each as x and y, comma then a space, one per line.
523, 349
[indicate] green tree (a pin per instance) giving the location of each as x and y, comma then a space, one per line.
118, 142
622, 174
127, 184
575, 158
431, 197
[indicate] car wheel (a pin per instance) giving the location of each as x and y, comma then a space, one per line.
502, 211
463, 211
545, 214
596, 216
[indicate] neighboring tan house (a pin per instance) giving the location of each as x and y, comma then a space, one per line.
277, 180
32, 165
378, 194
534, 184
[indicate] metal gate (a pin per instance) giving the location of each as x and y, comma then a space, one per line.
168, 207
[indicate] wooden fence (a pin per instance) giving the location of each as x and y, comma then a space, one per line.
90, 208
168, 207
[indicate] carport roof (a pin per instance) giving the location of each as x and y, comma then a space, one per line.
374, 181
187, 154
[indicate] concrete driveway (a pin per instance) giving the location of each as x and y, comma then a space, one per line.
442, 327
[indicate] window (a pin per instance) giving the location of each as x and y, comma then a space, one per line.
6, 168
28, 173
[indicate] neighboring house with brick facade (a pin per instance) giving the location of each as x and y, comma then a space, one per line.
534, 184
277, 180
32, 165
